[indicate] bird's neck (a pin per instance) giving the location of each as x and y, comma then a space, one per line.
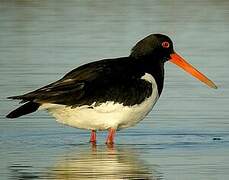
155, 68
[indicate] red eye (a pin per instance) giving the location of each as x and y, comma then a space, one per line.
165, 44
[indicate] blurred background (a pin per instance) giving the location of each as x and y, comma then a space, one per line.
186, 136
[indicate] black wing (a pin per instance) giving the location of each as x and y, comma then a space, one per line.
108, 80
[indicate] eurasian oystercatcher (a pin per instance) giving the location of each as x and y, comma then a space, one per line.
109, 94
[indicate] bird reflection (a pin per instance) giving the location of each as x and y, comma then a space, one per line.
102, 163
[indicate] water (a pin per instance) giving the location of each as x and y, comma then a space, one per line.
185, 136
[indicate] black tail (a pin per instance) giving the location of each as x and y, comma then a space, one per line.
27, 108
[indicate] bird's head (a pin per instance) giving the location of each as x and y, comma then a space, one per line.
159, 47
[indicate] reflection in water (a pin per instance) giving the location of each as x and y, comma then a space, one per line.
41, 40
96, 163
102, 163
23, 172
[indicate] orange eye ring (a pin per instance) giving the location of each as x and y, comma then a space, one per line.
165, 44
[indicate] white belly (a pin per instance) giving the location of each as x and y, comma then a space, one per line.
107, 115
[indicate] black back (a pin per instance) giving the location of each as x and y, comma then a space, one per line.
117, 80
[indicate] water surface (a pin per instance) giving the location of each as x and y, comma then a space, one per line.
186, 136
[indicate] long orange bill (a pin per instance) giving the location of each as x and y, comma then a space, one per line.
179, 61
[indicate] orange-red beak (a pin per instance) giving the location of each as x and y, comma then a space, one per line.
179, 61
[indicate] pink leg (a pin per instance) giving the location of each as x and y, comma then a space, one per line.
93, 136
110, 136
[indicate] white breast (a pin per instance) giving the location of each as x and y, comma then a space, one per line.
107, 115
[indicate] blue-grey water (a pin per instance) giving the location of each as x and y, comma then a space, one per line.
186, 136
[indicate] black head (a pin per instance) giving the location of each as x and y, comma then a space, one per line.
157, 46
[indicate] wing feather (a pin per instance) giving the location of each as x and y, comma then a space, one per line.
98, 82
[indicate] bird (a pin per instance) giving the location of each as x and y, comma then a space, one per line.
109, 94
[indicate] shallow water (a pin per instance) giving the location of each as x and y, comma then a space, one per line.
186, 136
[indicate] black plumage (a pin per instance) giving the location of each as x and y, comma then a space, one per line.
108, 80
117, 80
26, 108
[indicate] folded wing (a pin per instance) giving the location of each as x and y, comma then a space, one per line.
96, 82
